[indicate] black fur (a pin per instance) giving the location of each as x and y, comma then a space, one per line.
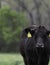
35, 50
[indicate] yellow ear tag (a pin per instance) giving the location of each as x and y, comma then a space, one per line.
29, 35
49, 35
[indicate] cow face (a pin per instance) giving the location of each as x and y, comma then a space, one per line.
41, 37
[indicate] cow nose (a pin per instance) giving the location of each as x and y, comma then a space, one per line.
39, 45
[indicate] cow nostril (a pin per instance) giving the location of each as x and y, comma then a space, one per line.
39, 45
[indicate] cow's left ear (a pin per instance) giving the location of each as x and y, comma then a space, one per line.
48, 33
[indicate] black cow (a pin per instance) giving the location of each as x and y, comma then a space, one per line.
35, 47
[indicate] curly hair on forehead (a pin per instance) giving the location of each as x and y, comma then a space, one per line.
41, 29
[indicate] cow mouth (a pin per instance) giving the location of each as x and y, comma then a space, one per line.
40, 50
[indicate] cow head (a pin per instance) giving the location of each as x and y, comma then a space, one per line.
37, 37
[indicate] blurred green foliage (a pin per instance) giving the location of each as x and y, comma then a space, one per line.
11, 24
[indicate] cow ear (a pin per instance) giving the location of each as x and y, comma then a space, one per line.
27, 33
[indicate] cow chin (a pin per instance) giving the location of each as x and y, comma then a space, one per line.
39, 50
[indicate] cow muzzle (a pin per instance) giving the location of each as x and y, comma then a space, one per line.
40, 45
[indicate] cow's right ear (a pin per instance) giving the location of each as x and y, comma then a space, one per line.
26, 33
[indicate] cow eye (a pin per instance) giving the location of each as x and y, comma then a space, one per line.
29, 35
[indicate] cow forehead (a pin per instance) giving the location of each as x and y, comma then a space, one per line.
41, 31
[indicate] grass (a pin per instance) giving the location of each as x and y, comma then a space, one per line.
11, 59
